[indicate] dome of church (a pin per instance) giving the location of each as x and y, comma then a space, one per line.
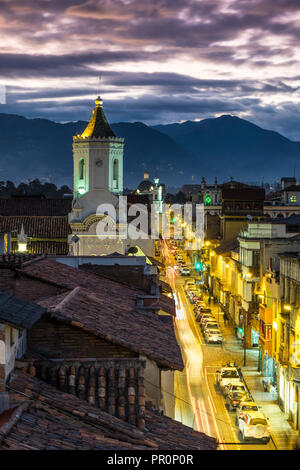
145, 186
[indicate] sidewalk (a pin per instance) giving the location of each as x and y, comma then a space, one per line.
284, 436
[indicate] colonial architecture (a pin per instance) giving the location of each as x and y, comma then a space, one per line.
154, 190
98, 180
35, 224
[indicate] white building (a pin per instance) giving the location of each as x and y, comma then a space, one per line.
98, 180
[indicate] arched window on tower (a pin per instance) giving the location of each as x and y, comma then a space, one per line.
116, 174
81, 169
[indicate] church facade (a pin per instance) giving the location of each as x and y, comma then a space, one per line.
98, 181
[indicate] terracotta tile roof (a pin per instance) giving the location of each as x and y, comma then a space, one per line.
115, 298
18, 312
167, 305
170, 434
36, 226
15, 259
57, 420
116, 294
72, 406
36, 426
35, 206
145, 333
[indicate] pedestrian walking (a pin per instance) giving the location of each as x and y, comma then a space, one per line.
225, 318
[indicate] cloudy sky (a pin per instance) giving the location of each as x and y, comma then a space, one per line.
161, 61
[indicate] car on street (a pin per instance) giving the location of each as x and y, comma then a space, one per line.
204, 318
254, 426
214, 336
244, 407
211, 325
226, 375
235, 387
205, 309
185, 271
234, 398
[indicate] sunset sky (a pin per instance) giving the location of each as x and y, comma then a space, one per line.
161, 61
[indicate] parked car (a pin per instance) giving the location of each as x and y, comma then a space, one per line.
185, 271
214, 336
226, 375
205, 310
236, 387
204, 318
254, 425
244, 407
190, 281
234, 398
211, 325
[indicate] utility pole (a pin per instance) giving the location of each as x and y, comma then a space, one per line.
245, 337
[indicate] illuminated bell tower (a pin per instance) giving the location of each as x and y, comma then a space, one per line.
98, 161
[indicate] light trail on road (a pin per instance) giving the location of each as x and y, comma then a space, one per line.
200, 398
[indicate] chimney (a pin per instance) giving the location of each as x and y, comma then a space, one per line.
147, 303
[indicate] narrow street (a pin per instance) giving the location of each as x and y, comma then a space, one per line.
199, 403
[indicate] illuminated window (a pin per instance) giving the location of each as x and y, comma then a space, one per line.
81, 169
116, 173
293, 198
207, 200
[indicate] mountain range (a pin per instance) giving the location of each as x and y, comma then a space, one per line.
177, 153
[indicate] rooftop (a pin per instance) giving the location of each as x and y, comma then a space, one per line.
227, 246
18, 312
57, 420
36, 226
146, 333
29, 206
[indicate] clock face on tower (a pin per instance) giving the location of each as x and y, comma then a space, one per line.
99, 162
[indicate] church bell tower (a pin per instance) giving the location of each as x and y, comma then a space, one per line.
98, 160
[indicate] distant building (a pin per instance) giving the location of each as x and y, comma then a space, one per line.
35, 224
154, 190
240, 204
286, 202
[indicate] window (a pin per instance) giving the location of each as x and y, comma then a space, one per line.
81, 169
256, 258
293, 198
12, 337
116, 172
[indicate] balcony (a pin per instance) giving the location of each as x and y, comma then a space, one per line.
283, 355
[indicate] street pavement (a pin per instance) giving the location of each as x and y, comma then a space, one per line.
199, 403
